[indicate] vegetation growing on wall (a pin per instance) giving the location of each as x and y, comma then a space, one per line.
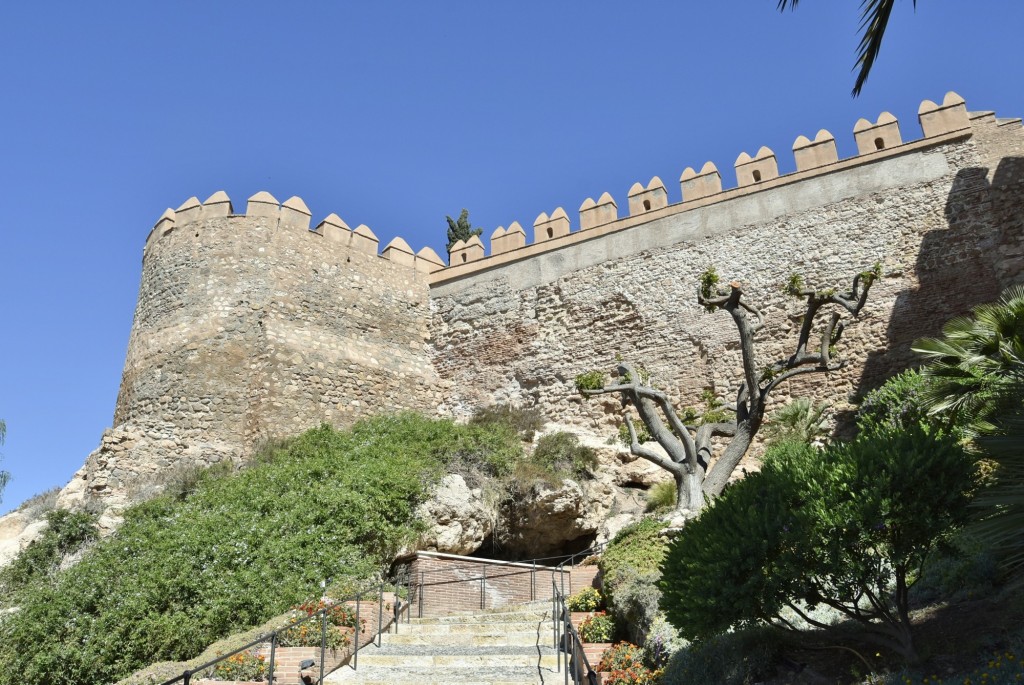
238, 550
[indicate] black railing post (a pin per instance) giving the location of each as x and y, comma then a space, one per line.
380, 616
187, 675
533, 581
273, 654
323, 642
355, 653
483, 589
421, 595
566, 635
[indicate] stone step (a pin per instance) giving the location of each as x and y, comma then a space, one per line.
486, 628
455, 657
483, 617
433, 676
483, 637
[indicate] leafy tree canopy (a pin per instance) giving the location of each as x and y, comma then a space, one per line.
874, 17
847, 527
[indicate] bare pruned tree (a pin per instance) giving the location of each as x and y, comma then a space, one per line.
687, 439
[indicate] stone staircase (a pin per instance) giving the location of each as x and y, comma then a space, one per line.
508, 646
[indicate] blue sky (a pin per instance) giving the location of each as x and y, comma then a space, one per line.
393, 115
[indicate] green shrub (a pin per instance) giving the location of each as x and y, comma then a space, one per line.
734, 658
855, 521
591, 380
661, 643
661, 496
802, 420
526, 422
598, 627
642, 435
635, 602
965, 568
638, 546
562, 453
237, 551
587, 599
66, 533
899, 404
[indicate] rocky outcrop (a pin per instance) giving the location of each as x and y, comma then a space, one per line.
17, 531
540, 518
460, 519
546, 517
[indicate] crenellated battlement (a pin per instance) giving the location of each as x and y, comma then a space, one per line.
753, 173
294, 215
257, 325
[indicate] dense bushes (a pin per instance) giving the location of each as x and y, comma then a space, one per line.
236, 551
561, 453
848, 527
638, 546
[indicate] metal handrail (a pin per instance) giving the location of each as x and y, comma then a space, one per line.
526, 562
559, 608
272, 637
576, 656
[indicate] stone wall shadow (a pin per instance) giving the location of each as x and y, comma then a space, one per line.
979, 253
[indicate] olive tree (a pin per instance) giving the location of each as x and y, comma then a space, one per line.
687, 439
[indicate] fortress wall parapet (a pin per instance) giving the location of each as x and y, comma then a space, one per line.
941, 214
755, 173
645, 199
881, 135
757, 169
254, 325
599, 213
695, 186
292, 214
811, 154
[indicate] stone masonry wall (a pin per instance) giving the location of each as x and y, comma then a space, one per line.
945, 222
250, 328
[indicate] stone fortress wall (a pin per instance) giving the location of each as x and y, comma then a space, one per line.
253, 326
944, 215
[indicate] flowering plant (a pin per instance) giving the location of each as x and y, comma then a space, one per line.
597, 628
340, 615
587, 599
310, 633
241, 666
625, 666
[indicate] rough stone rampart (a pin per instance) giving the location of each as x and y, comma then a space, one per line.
255, 326
943, 215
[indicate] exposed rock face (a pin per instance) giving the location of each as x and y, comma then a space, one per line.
17, 531
547, 517
461, 519
543, 519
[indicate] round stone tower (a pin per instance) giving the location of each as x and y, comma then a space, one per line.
252, 327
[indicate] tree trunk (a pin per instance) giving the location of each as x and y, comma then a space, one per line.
719, 474
689, 492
